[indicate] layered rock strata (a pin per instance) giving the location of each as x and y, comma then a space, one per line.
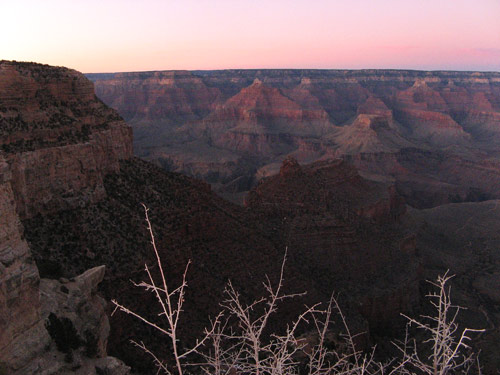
58, 138
226, 126
57, 142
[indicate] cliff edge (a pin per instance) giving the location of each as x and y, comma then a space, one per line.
57, 142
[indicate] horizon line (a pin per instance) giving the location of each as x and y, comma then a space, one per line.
298, 69
265, 69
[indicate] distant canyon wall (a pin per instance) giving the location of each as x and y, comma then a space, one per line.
435, 134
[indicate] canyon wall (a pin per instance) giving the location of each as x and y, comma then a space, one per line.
57, 142
20, 307
57, 137
417, 129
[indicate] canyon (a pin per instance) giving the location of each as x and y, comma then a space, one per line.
73, 195
72, 227
435, 135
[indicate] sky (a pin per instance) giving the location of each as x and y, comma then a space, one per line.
140, 35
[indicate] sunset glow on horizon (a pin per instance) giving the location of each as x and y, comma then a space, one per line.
128, 35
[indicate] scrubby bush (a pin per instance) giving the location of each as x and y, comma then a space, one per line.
447, 347
235, 342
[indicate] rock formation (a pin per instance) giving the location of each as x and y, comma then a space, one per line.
57, 141
58, 138
74, 329
343, 230
244, 122
19, 279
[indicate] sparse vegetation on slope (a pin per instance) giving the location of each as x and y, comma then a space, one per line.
236, 342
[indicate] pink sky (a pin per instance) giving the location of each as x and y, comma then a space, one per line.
133, 35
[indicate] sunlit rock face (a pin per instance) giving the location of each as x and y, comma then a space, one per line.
232, 127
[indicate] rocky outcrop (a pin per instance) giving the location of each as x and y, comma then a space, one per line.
71, 333
57, 142
76, 321
63, 300
58, 138
263, 116
46, 326
19, 294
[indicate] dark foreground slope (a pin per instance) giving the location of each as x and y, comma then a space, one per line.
464, 239
191, 224
434, 134
365, 254
345, 232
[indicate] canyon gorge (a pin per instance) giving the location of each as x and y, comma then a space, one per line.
434, 135
360, 176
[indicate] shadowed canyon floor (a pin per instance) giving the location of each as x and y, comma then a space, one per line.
464, 238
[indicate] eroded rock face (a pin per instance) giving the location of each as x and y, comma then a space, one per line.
71, 332
28, 306
76, 320
19, 295
63, 300
258, 118
51, 179
58, 138
57, 142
